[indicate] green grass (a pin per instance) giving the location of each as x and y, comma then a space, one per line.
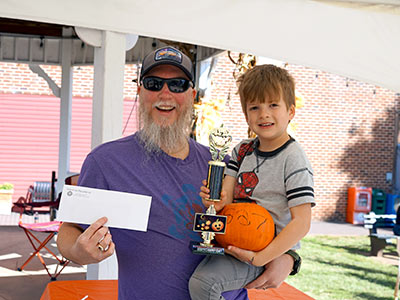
337, 267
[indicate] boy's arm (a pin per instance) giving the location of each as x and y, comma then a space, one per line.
228, 187
297, 228
292, 233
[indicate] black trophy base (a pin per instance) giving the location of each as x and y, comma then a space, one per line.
205, 250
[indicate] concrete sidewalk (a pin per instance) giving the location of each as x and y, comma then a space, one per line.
13, 219
341, 228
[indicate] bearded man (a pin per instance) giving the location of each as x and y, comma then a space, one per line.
161, 161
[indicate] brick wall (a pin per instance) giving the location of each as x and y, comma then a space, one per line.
346, 127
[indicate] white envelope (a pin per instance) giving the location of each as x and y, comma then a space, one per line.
85, 205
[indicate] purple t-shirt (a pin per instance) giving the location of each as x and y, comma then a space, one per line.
156, 264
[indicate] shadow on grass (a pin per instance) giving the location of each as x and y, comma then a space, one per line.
363, 273
369, 296
342, 268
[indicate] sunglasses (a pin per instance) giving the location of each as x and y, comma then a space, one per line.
175, 85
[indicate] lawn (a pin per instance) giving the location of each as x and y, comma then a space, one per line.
337, 267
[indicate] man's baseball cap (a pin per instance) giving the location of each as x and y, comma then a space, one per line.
167, 56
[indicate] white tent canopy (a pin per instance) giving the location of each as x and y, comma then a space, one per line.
356, 39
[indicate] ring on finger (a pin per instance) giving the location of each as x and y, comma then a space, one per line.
101, 248
100, 240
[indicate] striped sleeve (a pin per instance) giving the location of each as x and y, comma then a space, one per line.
233, 167
299, 180
300, 192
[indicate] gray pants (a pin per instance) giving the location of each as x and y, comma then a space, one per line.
217, 274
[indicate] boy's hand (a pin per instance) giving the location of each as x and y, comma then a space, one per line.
246, 256
205, 195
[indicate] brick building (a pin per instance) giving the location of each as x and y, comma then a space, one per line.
346, 127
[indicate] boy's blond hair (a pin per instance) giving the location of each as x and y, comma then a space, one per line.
264, 83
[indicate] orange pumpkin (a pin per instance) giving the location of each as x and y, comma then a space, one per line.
248, 226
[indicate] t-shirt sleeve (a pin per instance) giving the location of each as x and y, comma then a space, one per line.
91, 174
232, 167
299, 180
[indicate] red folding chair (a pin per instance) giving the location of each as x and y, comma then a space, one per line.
47, 227
51, 228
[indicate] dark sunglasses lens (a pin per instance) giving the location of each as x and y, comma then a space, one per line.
175, 85
153, 84
178, 85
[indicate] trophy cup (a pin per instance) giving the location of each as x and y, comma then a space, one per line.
209, 223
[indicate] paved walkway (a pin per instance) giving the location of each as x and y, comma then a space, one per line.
13, 219
30, 283
341, 228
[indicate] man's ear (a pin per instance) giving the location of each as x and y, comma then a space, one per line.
194, 93
138, 89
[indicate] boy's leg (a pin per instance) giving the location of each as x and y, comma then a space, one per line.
216, 274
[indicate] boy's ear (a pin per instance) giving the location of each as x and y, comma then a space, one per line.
292, 111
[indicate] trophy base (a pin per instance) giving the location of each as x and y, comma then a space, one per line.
206, 250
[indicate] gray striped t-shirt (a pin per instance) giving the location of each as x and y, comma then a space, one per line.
276, 180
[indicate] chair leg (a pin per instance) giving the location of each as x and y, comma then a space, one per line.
64, 263
37, 249
42, 245
377, 246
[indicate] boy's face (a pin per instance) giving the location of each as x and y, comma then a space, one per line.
269, 120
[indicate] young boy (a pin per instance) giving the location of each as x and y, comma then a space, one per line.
281, 181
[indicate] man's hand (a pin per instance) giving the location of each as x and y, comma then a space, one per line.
275, 273
90, 246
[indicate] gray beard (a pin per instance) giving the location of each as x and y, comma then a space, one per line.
157, 138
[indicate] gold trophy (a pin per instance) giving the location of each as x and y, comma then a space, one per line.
209, 223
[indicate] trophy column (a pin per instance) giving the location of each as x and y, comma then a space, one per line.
216, 170
209, 223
